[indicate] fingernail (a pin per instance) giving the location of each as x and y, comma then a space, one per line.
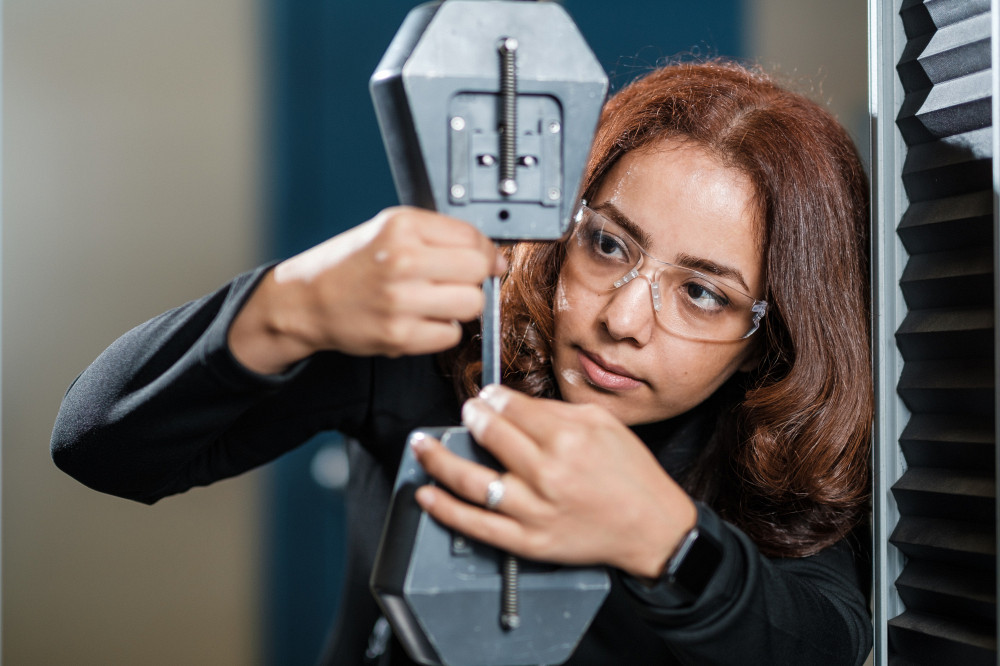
425, 497
473, 415
495, 396
419, 442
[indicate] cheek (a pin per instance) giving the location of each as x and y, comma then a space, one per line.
573, 310
560, 303
690, 372
571, 323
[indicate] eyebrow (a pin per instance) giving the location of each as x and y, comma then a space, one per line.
642, 237
719, 270
634, 230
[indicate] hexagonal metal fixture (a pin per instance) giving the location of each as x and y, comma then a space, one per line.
442, 592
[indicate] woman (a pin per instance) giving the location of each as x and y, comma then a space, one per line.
695, 354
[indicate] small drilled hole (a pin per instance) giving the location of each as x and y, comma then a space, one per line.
503, 214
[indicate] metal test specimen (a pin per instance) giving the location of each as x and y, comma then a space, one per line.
487, 110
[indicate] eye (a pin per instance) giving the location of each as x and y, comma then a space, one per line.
705, 298
608, 246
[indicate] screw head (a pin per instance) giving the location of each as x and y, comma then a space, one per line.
510, 621
458, 191
458, 123
555, 127
508, 186
554, 193
509, 44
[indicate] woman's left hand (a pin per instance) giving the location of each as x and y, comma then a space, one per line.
580, 487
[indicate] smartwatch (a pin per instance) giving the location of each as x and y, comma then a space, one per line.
695, 561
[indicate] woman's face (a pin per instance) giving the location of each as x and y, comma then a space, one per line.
610, 348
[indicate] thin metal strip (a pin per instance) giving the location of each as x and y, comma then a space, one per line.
491, 332
885, 41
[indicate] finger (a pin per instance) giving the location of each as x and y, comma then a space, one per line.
441, 230
505, 439
440, 302
461, 265
538, 419
465, 478
464, 265
423, 336
490, 527
437, 229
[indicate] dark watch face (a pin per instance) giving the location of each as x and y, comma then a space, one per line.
696, 566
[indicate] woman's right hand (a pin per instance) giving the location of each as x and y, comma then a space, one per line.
398, 284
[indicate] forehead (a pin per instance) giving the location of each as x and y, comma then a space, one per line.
689, 203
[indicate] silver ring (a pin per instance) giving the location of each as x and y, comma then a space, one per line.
494, 493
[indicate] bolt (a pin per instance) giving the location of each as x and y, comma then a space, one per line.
508, 44
554, 193
508, 186
509, 621
458, 123
458, 191
555, 127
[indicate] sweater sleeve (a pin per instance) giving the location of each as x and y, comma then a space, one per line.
167, 407
801, 611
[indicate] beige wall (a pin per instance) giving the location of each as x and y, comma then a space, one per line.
129, 186
821, 47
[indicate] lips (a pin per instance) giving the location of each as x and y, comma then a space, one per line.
604, 375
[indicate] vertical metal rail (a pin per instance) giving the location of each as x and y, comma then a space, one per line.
888, 309
510, 617
491, 332
509, 613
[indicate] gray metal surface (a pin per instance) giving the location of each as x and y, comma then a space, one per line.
442, 591
437, 91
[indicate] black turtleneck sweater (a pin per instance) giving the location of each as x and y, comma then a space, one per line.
167, 407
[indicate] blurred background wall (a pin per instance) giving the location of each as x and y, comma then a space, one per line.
134, 180
131, 153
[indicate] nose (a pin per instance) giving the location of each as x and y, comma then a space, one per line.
628, 313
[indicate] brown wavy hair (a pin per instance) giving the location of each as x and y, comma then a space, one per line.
788, 463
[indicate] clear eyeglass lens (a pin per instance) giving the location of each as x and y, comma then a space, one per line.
686, 301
